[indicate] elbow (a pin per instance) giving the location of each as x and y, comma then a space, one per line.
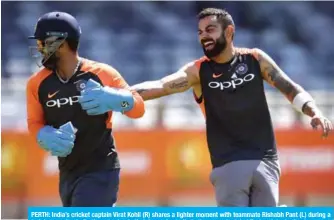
31, 129
138, 109
141, 110
34, 128
136, 114
34, 125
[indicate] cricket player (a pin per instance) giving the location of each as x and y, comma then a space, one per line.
70, 103
240, 135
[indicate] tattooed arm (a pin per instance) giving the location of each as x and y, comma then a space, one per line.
273, 74
302, 100
177, 82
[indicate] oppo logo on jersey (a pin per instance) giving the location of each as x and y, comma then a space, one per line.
62, 101
234, 83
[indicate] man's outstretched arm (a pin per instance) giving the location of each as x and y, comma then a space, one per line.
177, 82
299, 98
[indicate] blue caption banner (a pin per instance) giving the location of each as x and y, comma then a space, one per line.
184, 213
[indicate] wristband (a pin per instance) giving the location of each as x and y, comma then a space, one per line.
300, 100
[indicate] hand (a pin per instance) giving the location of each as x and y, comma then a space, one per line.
326, 125
58, 142
97, 100
69, 129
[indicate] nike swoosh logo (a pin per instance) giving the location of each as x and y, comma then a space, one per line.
53, 94
216, 75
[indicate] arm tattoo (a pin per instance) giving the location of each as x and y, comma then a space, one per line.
277, 78
149, 90
179, 85
140, 91
155, 89
171, 84
279, 82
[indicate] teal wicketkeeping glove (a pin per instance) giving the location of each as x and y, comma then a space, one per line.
58, 141
96, 99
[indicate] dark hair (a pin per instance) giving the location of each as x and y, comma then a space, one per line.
73, 44
223, 17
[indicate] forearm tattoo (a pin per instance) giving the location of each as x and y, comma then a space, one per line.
277, 78
179, 85
140, 91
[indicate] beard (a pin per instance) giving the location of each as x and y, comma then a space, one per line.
220, 45
51, 62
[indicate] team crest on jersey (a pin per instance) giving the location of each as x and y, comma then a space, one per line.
241, 69
81, 84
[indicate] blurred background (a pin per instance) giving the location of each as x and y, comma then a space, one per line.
164, 154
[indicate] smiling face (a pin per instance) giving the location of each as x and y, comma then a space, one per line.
215, 31
211, 36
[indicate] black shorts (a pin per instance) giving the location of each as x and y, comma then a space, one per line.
96, 189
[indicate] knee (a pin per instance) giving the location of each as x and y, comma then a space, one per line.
268, 199
232, 199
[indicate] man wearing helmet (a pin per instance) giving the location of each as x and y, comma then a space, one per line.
70, 102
